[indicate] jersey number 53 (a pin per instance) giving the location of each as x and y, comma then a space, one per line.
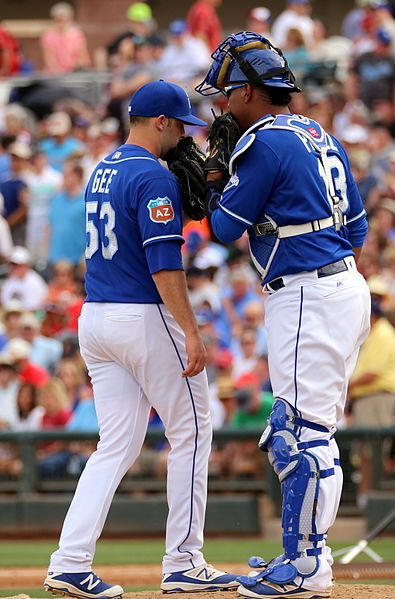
109, 244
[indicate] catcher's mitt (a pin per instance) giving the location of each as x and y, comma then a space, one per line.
186, 161
223, 136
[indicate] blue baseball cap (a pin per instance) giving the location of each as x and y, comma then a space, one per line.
162, 97
178, 27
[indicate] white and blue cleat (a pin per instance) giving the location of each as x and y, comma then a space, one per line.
202, 578
82, 585
277, 579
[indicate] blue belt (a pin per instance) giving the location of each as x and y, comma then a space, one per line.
324, 271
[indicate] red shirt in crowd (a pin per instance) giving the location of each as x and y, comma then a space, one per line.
34, 374
10, 60
203, 22
57, 420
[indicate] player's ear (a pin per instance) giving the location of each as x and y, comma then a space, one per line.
246, 92
162, 122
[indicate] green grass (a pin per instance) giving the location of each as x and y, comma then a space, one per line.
140, 551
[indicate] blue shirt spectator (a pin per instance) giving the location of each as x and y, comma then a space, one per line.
67, 218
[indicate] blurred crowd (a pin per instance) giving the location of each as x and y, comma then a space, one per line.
52, 138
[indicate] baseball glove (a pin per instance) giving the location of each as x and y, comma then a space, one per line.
186, 162
222, 139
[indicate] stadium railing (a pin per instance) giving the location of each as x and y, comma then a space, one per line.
265, 481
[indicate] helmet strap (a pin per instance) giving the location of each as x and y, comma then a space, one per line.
252, 75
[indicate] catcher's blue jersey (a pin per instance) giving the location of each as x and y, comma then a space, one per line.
133, 225
278, 177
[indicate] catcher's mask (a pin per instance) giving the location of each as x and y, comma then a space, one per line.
247, 56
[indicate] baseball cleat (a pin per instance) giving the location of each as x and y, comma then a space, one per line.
83, 585
270, 590
202, 578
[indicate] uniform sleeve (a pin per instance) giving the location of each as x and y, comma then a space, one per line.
159, 212
165, 255
244, 198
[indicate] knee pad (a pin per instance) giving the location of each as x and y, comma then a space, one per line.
299, 474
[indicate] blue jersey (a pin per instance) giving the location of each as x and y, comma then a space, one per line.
133, 225
278, 177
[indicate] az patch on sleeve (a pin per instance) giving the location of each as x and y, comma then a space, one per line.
161, 210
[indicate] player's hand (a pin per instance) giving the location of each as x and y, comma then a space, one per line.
196, 353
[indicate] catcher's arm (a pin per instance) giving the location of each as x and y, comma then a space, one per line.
222, 140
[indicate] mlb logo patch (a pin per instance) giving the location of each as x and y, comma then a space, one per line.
116, 155
160, 210
313, 131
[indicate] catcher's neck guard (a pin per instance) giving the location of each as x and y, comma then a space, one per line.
229, 65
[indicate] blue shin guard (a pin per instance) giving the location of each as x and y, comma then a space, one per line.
299, 474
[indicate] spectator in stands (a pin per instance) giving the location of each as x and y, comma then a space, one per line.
67, 217
12, 313
295, 16
259, 20
18, 124
203, 22
9, 385
23, 283
60, 145
327, 49
98, 147
366, 181
383, 216
381, 144
383, 19
253, 406
254, 316
54, 321
131, 76
120, 50
17, 351
15, 192
30, 414
44, 351
71, 373
296, 53
353, 26
62, 289
184, 57
10, 57
5, 236
234, 299
54, 456
388, 273
372, 74
203, 294
84, 416
64, 46
246, 360
371, 390
43, 182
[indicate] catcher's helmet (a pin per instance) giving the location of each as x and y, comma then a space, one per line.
247, 56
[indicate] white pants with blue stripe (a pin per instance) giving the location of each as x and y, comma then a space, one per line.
135, 354
315, 329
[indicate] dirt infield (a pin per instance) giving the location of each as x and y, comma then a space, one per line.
341, 591
150, 575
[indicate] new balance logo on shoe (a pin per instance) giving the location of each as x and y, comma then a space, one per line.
81, 585
202, 578
90, 582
